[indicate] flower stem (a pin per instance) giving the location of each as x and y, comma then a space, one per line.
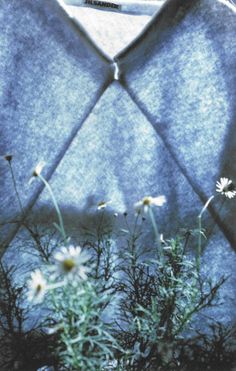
157, 235
199, 248
16, 191
205, 206
61, 224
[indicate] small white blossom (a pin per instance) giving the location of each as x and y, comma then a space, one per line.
103, 204
226, 187
70, 260
37, 171
37, 287
162, 240
148, 201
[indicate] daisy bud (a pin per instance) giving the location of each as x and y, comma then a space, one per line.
8, 158
38, 169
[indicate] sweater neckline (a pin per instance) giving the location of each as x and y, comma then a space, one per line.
161, 19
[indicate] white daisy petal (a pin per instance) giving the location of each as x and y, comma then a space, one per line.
226, 187
148, 201
38, 169
159, 201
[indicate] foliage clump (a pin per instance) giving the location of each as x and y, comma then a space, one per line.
111, 303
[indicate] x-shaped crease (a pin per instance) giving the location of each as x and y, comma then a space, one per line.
75, 132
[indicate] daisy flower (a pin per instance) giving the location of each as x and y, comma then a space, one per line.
37, 171
37, 287
148, 201
103, 204
70, 260
226, 187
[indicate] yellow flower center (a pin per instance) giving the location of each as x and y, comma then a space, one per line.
101, 204
38, 288
68, 265
146, 201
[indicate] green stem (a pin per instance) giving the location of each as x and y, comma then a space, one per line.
100, 223
62, 229
205, 206
157, 235
16, 191
136, 223
199, 247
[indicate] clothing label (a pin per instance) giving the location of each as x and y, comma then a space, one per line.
102, 4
